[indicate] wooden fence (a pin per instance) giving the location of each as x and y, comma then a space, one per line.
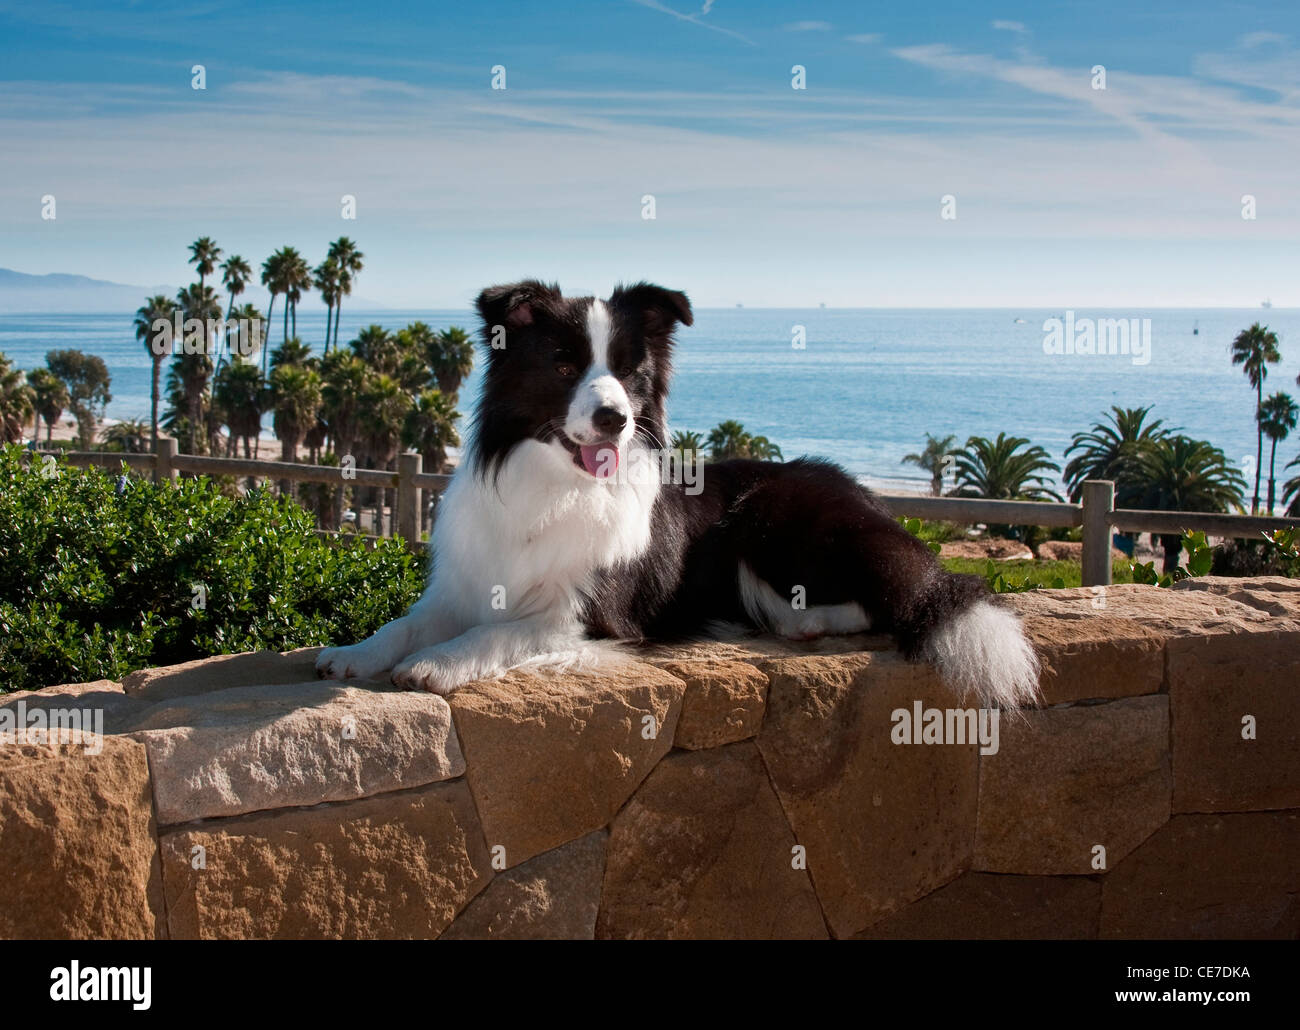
1097, 514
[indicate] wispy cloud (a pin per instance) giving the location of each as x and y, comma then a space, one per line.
696, 18
1010, 26
864, 37
1260, 60
808, 26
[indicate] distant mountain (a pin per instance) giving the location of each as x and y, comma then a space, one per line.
59, 294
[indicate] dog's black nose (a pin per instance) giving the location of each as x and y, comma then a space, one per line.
609, 420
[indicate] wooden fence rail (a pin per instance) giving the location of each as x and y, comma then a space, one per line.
1097, 514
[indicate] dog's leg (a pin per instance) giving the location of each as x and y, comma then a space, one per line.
840, 544
425, 624
483, 652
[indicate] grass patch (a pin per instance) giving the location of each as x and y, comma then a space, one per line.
1029, 574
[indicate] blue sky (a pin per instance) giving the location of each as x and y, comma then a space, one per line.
765, 195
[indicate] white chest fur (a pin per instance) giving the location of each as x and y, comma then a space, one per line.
529, 541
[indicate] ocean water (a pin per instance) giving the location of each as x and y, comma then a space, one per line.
867, 384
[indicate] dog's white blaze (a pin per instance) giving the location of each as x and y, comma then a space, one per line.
599, 388
773, 612
983, 650
598, 331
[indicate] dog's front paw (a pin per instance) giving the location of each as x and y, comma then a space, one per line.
425, 672
345, 663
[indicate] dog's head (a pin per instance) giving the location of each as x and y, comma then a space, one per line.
581, 375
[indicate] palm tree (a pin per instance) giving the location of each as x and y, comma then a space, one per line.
17, 402
430, 428
349, 262
154, 309
384, 405
998, 469
195, 369
292, 352
1110, 450
128, 435
343, 376
379, 349
203, 256
684, 440
235, 276
327, 284
246, 315
273, 278
239, 393
1255, 349
296, 400
49, 397
730, 440
933, 460
451, 358
690, 447
1277, 417
1291, 490
297, 280
1183, 474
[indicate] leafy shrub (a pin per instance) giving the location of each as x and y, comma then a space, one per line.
1272, 555
1200, 559
101, 574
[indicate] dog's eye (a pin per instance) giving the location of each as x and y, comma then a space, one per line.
566, 369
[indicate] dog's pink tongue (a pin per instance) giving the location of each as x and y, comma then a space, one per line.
601, 460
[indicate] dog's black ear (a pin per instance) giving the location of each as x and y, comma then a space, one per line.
662, 308
513, 305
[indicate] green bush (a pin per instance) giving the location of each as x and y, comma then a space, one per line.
101, 574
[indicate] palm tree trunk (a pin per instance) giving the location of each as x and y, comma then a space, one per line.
329, 320
295, 318
1272, 458
225, 335
157, 370
270, 310
1173, 547
338, 316
1259, 444
289, 454
286, 320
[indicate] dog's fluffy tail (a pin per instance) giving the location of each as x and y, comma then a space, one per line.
978, 647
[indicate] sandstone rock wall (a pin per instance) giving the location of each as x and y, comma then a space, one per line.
752, 789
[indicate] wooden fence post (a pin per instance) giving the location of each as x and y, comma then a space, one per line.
163, 455
1098, 503
409, 466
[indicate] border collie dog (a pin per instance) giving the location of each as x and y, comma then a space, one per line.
545, 540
